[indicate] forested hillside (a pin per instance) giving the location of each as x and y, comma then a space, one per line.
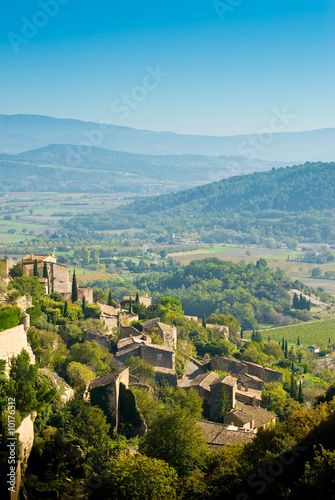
253, 294
284, 203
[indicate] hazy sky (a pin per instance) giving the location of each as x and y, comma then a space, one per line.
223, 67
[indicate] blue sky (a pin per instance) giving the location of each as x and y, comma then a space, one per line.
228, 69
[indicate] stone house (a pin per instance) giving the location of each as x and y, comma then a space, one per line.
59, 280
161, 357
313, 348
202, 384
219, 435
219, 386
108, 316
249, 417
105, 391
145, 300
238, 368
167, 332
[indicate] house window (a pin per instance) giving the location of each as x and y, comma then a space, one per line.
159, 357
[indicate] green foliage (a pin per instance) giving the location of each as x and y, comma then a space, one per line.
253, 352
22, 386
147, 403
169, 310
92, 311
242, 293
137, 367
79, 376
318, 479
90, 425
131, 416
16, 270
10, 317
176, 438
138, 477
93, 356
27, 285
47, 346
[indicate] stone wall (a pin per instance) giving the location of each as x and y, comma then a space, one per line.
236, 368
26, 439
157, 356
263, 372
12, 341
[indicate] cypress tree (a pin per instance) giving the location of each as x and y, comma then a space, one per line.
74, 294
137, 299
241, 333
65, 310
83, 305
298, 341
204, 321
309, 305
286, 349
110, 298
293, 388
283, 344
45, 271
130, 305
296, 303
301, 398
253, 336
36, 269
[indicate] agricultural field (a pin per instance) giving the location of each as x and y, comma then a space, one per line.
314, 332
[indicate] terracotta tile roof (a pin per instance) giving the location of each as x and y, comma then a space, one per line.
218, 435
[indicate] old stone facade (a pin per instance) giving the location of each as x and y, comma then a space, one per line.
237, 368
105, 391
145, 300
167, 332
59, 280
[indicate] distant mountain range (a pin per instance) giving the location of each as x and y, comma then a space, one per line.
65, 168
20, 133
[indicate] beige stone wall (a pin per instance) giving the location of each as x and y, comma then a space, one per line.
26, 439
12, 341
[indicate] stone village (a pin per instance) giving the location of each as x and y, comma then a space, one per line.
241, 387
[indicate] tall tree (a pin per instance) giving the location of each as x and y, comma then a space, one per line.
296, 303
137, 299
65, 310
130, 304
74, 294
298, 341
36, 268
45, 271
286, 349
83, 305
110, 298
301, 398
204, 321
